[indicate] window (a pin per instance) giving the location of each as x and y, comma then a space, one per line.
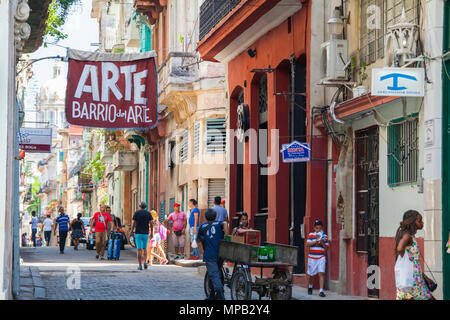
376, 16
196, 138
52, 117
184, 146
215, 135
403, 151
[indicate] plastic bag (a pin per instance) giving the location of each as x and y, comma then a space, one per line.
163, 232
194, 244
404, 272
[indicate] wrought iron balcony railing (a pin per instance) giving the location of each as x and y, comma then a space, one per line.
212, 12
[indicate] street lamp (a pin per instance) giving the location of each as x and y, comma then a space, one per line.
335, 23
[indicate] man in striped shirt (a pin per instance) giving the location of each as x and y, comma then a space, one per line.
62, 222
317, 243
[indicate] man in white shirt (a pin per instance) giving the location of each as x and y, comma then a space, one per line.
34, 223
48, 223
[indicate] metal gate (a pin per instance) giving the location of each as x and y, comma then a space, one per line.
216, 187
367, 206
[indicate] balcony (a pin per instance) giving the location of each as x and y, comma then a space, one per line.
125, 160
49, 186
212, 12
85, 183
178, 70
230, 27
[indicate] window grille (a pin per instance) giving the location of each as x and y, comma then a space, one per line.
215, 135
373, 30
403, 151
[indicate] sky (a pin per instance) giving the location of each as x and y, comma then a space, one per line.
82, 30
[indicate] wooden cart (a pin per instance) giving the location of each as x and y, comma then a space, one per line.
278, 287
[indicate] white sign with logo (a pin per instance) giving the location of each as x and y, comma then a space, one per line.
400, 82
35, 139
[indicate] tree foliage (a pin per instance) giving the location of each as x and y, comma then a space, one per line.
58, 11
96, 167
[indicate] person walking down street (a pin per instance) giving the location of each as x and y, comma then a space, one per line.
210, 233
179, 229
317, 243
77, 228
221, 212
34, 224
102, 222
194, 223
48, 225
154, 249
405, 242
141, 225
63, 224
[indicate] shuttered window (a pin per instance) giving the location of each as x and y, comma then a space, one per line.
184, 146
196, 138
403, 151
215, 135
162, 211
216, 187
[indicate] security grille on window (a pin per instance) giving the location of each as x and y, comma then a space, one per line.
215, 135
184, 146
403, 151
376, 16
196, 138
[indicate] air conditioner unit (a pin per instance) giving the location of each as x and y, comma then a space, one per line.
333, 59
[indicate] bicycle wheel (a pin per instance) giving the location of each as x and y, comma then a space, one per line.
207, 285
241, 288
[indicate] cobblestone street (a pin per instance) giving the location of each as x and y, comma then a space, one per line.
116, 280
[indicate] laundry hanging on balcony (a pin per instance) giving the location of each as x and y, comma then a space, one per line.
109, 90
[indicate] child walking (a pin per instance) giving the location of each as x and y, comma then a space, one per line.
318, 246
154, 249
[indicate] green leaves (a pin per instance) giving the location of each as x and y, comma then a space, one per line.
96, 167
58, 11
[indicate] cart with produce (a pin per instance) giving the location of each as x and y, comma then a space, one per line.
271, 255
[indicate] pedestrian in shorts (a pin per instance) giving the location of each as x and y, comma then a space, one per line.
317, 243
178, 230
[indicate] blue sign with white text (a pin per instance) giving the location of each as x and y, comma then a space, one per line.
296, 152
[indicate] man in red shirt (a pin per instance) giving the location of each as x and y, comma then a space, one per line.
102, 221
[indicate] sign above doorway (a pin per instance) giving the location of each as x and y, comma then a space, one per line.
398, 82
108, 90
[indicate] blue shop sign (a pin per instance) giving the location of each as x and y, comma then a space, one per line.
296, 152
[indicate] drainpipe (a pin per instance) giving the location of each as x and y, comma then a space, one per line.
16, 213
147, 171
291, 133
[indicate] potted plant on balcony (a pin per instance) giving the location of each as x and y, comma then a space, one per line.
359, 89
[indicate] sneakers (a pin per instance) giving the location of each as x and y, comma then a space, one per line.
322, 294
177, 257
145, 265
140, 268
309, 291
194, 258
181, 257
96, 257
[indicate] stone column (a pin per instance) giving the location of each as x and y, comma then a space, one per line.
433, 33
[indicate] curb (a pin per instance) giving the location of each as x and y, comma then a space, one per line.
31, 285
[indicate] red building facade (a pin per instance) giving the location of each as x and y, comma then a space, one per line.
267, 68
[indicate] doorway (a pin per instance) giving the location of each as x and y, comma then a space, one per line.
367, 207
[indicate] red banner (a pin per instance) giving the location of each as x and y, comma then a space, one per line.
107, 90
